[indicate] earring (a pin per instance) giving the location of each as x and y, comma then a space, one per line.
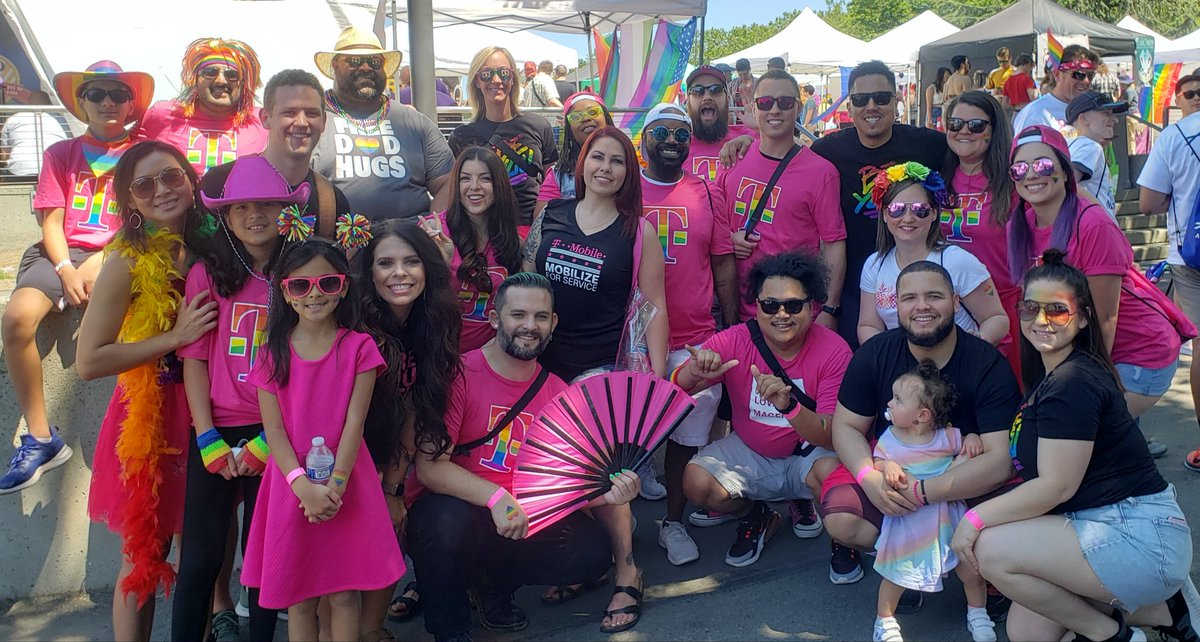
138, 224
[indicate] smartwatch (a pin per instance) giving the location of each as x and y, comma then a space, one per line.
832, 310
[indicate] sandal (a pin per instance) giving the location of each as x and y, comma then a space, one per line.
1192, 460
411, 605
379, 635
634, 609
568, 592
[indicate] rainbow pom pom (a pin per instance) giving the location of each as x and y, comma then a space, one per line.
353, 231
293, 225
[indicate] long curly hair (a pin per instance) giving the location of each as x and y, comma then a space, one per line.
123, 177
237, 52
501, 222
429, 338
995, 160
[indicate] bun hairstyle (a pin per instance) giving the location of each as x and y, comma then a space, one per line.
934, 391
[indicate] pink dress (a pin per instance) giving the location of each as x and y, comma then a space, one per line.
287, 558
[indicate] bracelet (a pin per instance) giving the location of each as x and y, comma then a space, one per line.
862, 474
62, 264
496, 497
924, 497
296, 473
795, 410
674, 376
213, 450
974, 519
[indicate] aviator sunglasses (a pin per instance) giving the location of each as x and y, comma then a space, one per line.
791, 306
144, 187
1020, 170
681, 134
1057, 314
975, 125
919, 210
299, 286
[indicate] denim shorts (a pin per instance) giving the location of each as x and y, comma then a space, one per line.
1140, 547
1148, 382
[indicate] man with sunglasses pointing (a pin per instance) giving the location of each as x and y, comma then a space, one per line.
1072, 77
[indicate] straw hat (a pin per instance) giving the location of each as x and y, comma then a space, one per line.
253, 178
357, 42
69, 83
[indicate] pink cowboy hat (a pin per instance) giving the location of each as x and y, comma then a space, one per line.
253, 178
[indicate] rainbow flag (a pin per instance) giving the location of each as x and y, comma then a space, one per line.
827, 115
1156, 96
1055, 49
603, 46
663, 71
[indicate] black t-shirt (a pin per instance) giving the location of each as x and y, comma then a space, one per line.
592, 276
529, 135
987, 390
857, 166
1080, 400
565, 89
213, 184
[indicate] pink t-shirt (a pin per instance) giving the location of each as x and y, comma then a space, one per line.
1144, 337
206, 142
476, 330
90, 216
479, 397
803, 210
692, 225
817, 369
231, 348
970, 227
704, 159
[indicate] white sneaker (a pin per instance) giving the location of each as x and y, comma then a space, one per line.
980, 626
681, 548
887, 629
652, 489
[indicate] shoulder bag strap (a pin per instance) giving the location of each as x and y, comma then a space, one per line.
326, 207
520, 161
530, 393
756, 215
760, 342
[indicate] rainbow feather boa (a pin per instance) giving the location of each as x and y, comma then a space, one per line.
143, 436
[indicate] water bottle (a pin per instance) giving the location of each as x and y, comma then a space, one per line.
318, 465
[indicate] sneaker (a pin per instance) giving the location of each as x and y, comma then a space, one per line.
1157, 450
652, 489
1184, 606
704, 518
681, 548
753, 532
887, 629
910, 602
845, 566
980, 625
499, 613
32, 459
806, 522
997, 604
225, 627
242, 608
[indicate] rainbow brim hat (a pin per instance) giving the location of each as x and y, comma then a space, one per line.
69, 83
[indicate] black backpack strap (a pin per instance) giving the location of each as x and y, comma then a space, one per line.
760, 342
530, 393
529, 168
756, 215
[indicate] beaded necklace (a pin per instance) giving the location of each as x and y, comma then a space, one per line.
364, 124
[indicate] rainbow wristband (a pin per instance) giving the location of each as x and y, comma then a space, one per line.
674, 377
496, 497
296, 473
256, 452
974, 519
862, 474
213, 450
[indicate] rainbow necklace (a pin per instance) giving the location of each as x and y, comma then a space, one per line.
364, 124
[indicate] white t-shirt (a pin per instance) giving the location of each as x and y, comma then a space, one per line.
27, 135
966, 272
1172, 169
1046, 110
1089, 156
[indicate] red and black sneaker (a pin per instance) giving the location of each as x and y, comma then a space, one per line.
753, 531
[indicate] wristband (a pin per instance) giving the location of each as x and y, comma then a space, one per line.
919, 493
256, 452
213, 450
795, 410
974, 519
862, 474
924, 497
674, 377
296, 473
62, 264
496, 497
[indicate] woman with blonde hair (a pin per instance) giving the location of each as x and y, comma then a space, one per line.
524, 141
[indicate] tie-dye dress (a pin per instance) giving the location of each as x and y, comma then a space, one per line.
914, 549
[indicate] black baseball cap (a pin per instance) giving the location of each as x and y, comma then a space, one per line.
1094, 101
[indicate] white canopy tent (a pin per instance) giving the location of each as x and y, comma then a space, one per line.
1182, 49
566, 16
808, 44
1161, 42
455, 45
900, 45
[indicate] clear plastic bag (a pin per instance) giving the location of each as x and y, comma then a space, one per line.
633, 352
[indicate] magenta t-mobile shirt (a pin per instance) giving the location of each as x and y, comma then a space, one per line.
704, 159
971, 227
206, 142
90, 216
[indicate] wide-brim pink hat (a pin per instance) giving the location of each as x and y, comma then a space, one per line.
68, 84
253, 178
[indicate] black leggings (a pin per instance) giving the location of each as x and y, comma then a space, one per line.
207, 514
449, 539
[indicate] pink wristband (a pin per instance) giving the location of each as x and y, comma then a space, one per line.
862, 474
975, 520
496, 497
793, 412
297, 472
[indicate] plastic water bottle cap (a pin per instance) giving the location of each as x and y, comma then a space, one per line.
318, 441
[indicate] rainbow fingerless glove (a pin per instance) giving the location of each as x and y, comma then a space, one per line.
256, 452
213, 450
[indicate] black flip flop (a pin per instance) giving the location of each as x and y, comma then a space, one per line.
635, 609
412, 606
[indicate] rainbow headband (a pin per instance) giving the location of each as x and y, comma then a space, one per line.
216, 59
910, 171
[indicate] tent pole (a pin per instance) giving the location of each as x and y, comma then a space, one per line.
701, 58
587, 28
395, 40
420, 50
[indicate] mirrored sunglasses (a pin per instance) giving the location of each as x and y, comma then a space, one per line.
1042, 167
681, 134
374, 62
919, 210
765, 103
486, 74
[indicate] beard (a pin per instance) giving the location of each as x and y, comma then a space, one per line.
934, 338
711, 133
509, 344
351, 86
660, 166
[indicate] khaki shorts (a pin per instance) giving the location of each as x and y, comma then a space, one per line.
744, 473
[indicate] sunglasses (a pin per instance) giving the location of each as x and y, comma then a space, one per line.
975, 125
144, 187
791, 306
712, 90
591, 113
97, 95
374, 62
1083, 75
299, 286
1057, 314
1190, 94
485, 75
231, 75
1042, 167
880, 98
681, 134
765, 103
919, 210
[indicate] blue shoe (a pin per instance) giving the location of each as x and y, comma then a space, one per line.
32, 459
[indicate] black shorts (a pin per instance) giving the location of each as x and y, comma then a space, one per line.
36, 271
